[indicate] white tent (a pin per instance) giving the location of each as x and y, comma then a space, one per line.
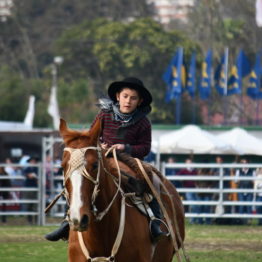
241, 139
191, 139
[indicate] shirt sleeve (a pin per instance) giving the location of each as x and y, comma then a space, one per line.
99, 116
143, 145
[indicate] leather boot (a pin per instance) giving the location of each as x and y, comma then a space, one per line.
62, 232
156, 232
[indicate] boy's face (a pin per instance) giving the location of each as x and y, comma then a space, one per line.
129, 100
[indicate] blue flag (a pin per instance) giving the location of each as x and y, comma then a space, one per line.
238, 71
191, 77
255, 81
221, 75
173, 76
206, 78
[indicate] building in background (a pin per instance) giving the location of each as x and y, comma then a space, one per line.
5, 9
168, 10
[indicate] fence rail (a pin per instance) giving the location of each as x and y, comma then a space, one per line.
217, 205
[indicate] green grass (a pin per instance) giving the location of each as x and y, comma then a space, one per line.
26, 243
203, 244
224, 243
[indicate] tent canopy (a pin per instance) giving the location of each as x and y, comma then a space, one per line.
192, 139
241, 139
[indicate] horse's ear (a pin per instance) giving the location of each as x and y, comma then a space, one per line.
95, 131
63, 128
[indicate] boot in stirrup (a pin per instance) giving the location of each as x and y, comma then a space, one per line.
62, 232
156, 232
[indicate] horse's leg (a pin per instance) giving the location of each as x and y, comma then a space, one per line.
164, 251
136, 244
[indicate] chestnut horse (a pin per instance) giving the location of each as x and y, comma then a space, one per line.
104, 224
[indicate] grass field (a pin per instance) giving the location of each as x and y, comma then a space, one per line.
203, 244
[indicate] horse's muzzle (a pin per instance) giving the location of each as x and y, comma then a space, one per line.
80, 226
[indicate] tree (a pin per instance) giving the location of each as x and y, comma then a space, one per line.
107, 50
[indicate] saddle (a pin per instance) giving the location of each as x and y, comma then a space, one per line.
138, 185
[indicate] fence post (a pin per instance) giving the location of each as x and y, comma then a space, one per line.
221, 183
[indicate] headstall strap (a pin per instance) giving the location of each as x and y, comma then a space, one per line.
77, 162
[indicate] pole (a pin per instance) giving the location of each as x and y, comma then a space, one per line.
225, 88
178, 110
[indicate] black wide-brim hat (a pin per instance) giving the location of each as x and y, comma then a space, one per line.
133, 83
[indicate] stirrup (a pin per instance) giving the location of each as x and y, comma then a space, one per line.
155, 230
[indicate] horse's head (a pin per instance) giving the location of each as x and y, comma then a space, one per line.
81, 164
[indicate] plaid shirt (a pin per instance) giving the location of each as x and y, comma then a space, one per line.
136, 137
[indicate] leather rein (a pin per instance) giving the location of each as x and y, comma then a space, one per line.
77, 162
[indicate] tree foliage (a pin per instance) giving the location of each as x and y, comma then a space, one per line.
108, 50
106, 40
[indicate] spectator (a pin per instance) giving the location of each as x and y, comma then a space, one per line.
4, 194
48, 168
190, 196
171, 171
31, 181
226, 183
245, 184
13, 171
16, 180
205, 196
258, 195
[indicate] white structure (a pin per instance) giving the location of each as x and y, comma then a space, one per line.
53, 107
5, 9
240, 138
191, 139
168, 10
28, 120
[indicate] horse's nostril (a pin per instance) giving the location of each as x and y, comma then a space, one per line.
84, 221
75, 222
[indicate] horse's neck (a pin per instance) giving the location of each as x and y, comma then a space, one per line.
107, 191
105, 231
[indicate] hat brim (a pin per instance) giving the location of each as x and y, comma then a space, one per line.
115, 87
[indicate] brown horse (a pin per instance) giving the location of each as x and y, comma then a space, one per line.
101, 215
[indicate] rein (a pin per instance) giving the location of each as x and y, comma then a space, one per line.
77, 162
168, 220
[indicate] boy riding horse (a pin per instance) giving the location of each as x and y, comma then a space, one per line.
126, 127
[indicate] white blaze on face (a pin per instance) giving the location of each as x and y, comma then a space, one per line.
76, 202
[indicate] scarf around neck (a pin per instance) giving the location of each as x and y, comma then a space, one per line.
125, 119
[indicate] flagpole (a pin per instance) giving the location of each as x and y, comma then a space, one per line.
178, 98
225, 89
178, 110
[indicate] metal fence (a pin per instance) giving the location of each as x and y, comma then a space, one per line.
18, 200
217, 205
219, 195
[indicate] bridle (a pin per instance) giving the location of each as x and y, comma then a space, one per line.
77, 162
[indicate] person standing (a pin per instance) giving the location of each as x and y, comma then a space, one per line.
31, 181
205, 196
258, 195
190, 184
4, 195
245, 172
